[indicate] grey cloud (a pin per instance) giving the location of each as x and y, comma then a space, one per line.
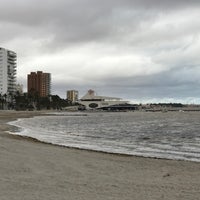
163, 34
71, 21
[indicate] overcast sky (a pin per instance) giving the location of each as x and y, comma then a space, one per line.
141, 50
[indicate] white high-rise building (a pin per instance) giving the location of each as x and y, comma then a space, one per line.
8, 64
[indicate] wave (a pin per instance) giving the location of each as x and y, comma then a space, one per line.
99, 133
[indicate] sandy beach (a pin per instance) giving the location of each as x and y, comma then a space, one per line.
32, 170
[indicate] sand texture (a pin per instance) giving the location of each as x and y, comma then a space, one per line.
32, 170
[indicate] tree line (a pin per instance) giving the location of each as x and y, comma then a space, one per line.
29, 101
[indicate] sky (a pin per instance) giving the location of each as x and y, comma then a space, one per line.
139, 50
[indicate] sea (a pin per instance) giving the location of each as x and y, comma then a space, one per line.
169, 135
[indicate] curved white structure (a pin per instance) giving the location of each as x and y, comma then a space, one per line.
92, 101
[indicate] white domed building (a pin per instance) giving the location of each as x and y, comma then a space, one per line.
93, 101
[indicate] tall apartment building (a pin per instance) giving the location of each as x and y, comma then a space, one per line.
39, 83
8, 65
72, 95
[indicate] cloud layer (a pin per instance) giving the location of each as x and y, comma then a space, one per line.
143, 50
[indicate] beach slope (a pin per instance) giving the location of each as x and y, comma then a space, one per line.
32, 170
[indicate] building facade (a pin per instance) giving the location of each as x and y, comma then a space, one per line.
8, 65
19, 89
72, 96
39, 83
93, 101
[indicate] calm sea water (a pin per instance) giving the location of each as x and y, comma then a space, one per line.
171, 135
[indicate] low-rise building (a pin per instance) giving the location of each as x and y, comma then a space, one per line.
72, 96
93, 101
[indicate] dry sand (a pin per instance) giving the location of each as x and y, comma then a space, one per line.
37, 171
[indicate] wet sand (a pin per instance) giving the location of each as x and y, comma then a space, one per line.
32, 170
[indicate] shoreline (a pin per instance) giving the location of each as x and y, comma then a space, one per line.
29, 114
36, 170
34, 140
